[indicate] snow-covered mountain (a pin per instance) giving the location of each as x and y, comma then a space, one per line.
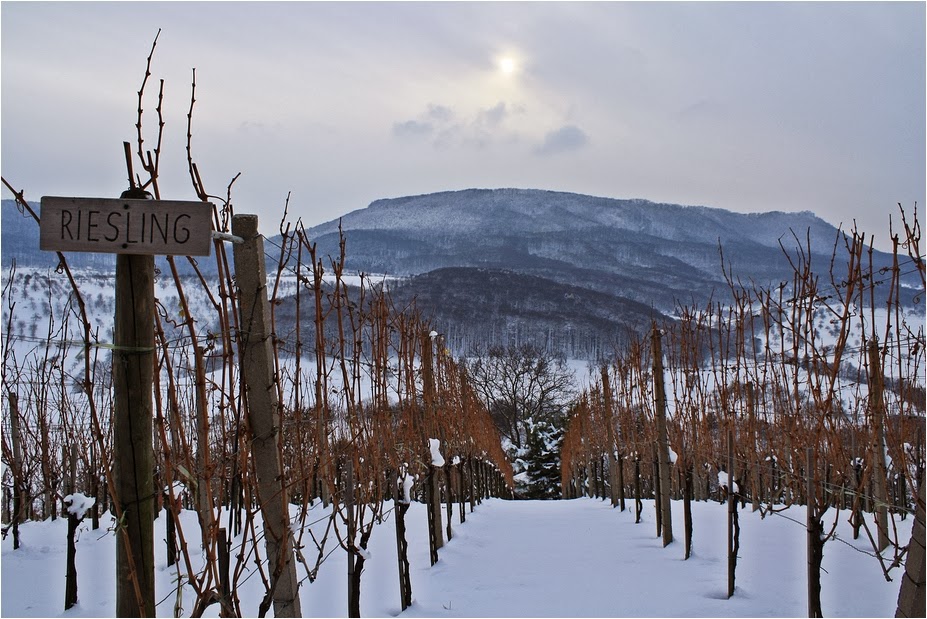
565, 271
501, 246
532, 211
656, 254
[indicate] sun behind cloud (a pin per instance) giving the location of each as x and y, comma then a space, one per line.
507, 65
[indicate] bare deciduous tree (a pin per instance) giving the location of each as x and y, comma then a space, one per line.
521, 385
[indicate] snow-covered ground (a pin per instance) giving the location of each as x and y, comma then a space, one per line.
512, 559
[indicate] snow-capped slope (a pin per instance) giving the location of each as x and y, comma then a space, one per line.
532, 211
651, 253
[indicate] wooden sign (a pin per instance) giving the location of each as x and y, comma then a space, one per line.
116, 226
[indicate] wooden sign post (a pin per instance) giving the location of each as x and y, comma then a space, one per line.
135, 228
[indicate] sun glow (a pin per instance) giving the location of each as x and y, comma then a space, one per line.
507, 65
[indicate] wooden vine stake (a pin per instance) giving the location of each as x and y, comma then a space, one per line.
687, 509
223, 551
614, 489
815, 542
733, 529
911, 594
203, 490
876, 405
638, 504
433, 489
351, 535
17, 468
70, 582
404, 485
70, 586
264, 413
75, 513
663, 460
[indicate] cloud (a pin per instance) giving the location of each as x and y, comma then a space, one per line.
439, 113
494, 115
412, 128
564, 139
448, 129
435, 118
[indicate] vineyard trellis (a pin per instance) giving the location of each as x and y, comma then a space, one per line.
360, 406
828, 364
361, 388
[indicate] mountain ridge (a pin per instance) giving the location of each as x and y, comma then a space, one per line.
590, 254
645, 257
661, 253
626, 214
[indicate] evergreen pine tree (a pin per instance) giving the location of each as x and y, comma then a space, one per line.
542, 460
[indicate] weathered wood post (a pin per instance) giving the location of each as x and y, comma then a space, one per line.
911, 598
487, 480
919, 457
614, 489
171, 530
659, 394
638, 504
476, 488
432, 483
815, 543
449, 496
733, 528
403, 499
461, 491
48, 475
620, 465
877, 410
434, 533
462, 488
75, 513
17, 467
70, 579
94, 487
657, 490
223, 552
687, 507
476, 482
351, 535
204, 507
133, 381
68, 477
260, 400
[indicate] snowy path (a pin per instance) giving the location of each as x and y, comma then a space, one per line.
526, 559
583, 558
575, 558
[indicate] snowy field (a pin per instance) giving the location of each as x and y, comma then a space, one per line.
578, 558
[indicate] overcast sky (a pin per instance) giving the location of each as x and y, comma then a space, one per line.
743, 106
